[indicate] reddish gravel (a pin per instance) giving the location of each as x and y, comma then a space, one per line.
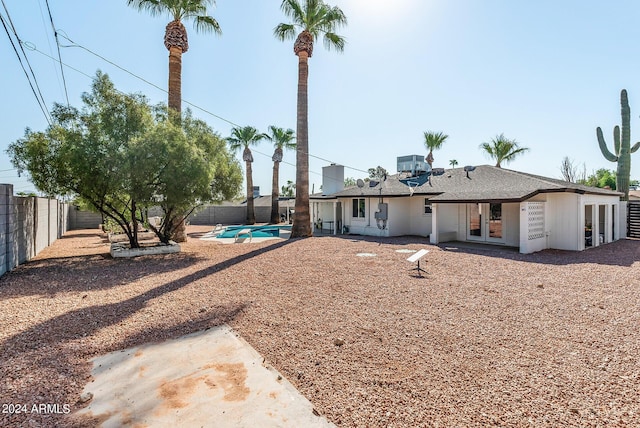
488, 337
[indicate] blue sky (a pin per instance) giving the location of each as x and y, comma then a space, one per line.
545, 73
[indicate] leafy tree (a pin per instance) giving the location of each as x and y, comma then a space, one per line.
349, 182
377, 173
502, 149
281, 139
120, 156
289, 190
601, 178
433, 141
246, 137
175, 37
314, 18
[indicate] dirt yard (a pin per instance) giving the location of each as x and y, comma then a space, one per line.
487, 337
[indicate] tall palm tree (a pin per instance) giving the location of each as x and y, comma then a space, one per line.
175, 37
313, 18
433, 141
502, 149
244, 138
281, 139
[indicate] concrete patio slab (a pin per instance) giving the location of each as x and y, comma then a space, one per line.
206, 379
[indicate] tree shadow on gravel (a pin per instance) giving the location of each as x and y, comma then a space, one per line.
624, 252
50, 277
70, 333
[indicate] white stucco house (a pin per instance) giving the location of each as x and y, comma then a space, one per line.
479, 204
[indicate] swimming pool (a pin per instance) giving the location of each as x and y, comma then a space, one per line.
266, 231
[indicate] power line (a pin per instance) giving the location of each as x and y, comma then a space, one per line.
40, 98
55, 34
76, 45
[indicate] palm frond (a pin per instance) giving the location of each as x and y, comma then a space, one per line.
244, 137
285, 32
154, 7
207, 24
315, 17
332, 40
434, 140
292, 9
281, 138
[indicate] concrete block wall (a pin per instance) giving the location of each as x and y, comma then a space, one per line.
227, 214
8, 253
27, 226
79, 219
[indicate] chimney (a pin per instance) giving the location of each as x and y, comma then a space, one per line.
332, 179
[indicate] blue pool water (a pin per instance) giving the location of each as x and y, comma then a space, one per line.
267, 231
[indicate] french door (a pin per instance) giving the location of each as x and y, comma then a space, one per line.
484, 222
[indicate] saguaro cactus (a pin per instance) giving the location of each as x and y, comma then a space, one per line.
622, 147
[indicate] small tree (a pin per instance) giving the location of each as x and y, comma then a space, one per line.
289, 190
601, 178
246, 137
349, 182
569, 170
433, 141
502, 149
377, 173
281, 139
453, 163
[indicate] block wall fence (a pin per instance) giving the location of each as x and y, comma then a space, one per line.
27, 226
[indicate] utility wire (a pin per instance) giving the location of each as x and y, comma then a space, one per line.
40, 99
55, 34
76, 45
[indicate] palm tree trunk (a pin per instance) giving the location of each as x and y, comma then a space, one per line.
275, 211
251, 215
302, 220
175, 79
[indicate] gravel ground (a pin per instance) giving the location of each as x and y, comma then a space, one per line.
487, 337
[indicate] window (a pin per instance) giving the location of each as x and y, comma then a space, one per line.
358, 208
427, 206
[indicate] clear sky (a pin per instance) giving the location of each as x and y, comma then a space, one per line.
545, 73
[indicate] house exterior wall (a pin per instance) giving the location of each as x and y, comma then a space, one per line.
420, 223
448, 223
565, 219
511, 224
407, 217
400, 211
534, 232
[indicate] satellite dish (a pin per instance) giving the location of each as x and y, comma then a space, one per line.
469, 168
360, 183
